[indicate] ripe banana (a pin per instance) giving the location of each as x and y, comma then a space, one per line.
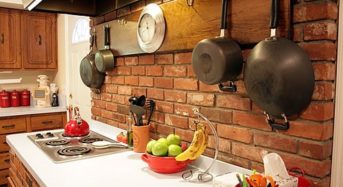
197, 146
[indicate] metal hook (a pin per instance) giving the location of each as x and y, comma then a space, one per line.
190, 2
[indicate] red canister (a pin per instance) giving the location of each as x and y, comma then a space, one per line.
15, 98
25, 98
5, 99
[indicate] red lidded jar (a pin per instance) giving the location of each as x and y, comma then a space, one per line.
5, 99
25, 98
15, 98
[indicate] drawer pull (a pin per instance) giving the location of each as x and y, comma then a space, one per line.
8, 126
47, 122
7, 160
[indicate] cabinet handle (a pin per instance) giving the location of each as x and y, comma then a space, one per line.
39, 39
47, 122
8, 126
2, 38
7, 160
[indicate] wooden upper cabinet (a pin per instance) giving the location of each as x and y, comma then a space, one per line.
10, 57
39, 40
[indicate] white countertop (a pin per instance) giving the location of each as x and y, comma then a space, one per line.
28, 110
125, 168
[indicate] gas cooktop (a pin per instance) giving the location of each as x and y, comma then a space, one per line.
61, 148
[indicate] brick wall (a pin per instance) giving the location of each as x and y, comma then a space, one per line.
168, 78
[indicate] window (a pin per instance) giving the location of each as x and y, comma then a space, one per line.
81, 31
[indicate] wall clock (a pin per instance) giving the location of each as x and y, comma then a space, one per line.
151, 28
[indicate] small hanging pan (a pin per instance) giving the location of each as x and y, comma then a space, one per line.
218, 60
104, 59
279, 76
90, 76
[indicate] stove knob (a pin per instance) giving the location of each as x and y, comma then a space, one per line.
39, 136
49, 134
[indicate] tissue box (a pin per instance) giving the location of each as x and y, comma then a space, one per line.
290, 182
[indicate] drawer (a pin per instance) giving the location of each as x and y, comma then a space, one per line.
43, 122
12, 125
15, 179
3, 176
4, 160
10, 182
3, 145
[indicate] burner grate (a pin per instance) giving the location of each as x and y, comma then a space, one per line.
90, 140
57, 142
74, 151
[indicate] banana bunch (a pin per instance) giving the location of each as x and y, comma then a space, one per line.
197, 147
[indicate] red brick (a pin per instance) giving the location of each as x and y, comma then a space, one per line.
146, 59
118, 80
111, 88
158, 117
111, 106
208, 88
107, 80
256, 109
154, 71
257, 166
321, 182
217, 115
320, 51
155, 93
298, 33
183, 58
106, 97
315, 11
96, 111
138, 70
277, 142
161, 82
106, 114
320, 31
224, 145
324, 71
233, 101
238, 161
124, 90
164, 107
247, 151
241, 88
184, 110
316, 150
190, 71
311, 167
176, 121
95, 96
185, 84
323, 91
120, 61
185, 135
146, 81
234, 133
99, 103
176, 96
165, 130
310, 130
123, 70
250, 120
120, 118
319, 111
130, 61
202, 99
175, 71
164, 59
131, 80
139, 91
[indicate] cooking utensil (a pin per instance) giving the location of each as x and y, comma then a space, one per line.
151, 106
218, 60
90, 76
139, 112
141, 100
106, 144
104, 59
76, 126
164, 164
279, 76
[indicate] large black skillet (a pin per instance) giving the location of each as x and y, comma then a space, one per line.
279, 76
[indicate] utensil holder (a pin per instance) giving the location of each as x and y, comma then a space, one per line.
141, 137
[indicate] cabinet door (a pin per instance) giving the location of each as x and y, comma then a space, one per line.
10, 56
39, 44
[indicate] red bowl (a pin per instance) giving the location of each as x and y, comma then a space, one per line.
164, 164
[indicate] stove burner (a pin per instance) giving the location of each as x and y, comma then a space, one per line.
67, 136
57, 142
90, 140
74, 151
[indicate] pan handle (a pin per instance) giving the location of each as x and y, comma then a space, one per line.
107, 36
274, 14
277, 126
228, 88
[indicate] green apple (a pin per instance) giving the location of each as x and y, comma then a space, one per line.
163, 140
174, 139
160, 149
174, 150
150, 145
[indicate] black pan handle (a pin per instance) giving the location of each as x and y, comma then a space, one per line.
274, 14
277, 126
107, 36
228, 88
224, 14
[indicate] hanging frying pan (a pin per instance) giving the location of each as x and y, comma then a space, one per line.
104, 60
279, 76
218, 60
90, 76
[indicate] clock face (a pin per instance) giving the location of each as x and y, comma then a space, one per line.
146, 28
151, 28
